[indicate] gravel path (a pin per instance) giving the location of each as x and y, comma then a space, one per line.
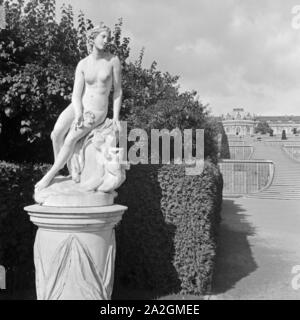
259, 244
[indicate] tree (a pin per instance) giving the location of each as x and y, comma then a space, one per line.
37, 62
262, 127
223, 144
37, 65
283, 135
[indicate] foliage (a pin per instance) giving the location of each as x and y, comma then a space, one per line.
224, 150
37, 62
223, 144
262, 127
17, 232
182, 112
283, 135
166, 240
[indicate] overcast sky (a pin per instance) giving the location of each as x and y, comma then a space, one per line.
234, 53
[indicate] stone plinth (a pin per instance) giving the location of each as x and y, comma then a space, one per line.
74, 251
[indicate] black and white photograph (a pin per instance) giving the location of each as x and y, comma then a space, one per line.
150, 150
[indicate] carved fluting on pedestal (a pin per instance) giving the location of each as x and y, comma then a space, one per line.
74, 251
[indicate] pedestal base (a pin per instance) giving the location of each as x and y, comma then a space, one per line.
74, 251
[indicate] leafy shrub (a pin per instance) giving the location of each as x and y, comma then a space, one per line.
17, 232
225, 151
166, 240
216, 140
262, 127
182, 112
223, 145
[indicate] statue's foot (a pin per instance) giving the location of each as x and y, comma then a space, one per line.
76, 178
43, 183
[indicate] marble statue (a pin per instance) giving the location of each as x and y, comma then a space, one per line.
84, 122
74, 250
94, 78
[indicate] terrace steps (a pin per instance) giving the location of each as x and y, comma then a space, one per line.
286, 180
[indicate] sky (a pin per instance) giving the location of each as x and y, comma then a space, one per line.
234, 53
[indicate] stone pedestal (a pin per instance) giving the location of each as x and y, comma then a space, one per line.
74, 251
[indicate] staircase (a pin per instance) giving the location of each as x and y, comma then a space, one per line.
286, 181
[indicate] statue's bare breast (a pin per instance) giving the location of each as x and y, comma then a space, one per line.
98, 81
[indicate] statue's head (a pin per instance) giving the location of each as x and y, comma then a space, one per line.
99, 36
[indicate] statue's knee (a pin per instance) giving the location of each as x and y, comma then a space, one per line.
54, 136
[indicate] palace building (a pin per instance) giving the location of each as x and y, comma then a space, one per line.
238, 122
242, 123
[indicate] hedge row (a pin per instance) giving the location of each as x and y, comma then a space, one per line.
223, 145
165, 242
16, 231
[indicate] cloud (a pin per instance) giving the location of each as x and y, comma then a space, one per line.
233, 52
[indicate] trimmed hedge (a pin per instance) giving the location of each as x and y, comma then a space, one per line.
16, 231
225, 150
166, 240
223, 145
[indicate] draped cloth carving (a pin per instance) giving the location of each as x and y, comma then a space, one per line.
96, 170
71, 272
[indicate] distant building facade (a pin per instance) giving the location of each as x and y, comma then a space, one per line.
238, 122
279, 123
242, 123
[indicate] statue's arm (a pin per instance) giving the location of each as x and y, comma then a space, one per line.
117, 82
78, 91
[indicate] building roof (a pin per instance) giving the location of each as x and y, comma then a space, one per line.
284, 119
241, 114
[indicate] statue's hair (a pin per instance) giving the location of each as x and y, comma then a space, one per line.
92, 34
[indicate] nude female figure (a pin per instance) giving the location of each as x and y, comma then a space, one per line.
94, 78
